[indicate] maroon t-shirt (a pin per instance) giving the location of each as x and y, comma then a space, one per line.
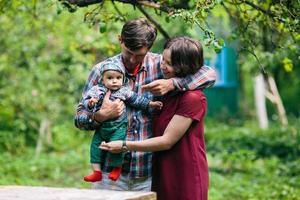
181, 173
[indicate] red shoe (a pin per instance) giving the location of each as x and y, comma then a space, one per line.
115, 173
94, 177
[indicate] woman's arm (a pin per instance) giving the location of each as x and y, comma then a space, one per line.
176, 128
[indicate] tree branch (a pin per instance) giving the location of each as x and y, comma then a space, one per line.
267, 12
158, 26
119, 12
261, 67
85, 3
139, 4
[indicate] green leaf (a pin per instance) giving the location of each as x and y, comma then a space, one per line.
207, 41
287, 64
167, 19
102, 27
59, 8
217, 46
221, 42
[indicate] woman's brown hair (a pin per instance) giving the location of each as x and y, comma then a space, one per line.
186, 55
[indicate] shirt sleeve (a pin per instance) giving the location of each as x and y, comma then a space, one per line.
204, 78
84, 117
134, 100
97, 92
192, 105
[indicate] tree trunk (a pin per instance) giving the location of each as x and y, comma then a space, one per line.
266, 87
45, 136
278, 101
260, 101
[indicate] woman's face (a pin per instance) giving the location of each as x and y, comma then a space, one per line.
166, 66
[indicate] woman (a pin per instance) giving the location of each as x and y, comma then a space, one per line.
180, 168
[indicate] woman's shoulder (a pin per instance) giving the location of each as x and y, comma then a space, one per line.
192, 104
193, 98
194, 95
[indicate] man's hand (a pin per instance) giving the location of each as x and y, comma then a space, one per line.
109, 109
159, 87
113, 146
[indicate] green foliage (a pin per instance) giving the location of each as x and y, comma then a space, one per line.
244, 162
12, 142
62, 166
264, 33
276, 65
46, 54
248, 163
276, 142
43, 68
194, 18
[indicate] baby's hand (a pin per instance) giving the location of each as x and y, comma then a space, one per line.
92, 102
156, 105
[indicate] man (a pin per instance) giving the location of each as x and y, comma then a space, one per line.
144, 76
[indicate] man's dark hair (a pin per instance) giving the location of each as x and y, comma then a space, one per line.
138, 33
186, 55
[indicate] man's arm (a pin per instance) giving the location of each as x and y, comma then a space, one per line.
204, 78
83, 117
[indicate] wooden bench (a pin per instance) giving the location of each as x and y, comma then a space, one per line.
49, 193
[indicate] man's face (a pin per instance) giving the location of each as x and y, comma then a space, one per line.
132, 58
112, 80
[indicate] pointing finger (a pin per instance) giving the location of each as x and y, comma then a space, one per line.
149, 86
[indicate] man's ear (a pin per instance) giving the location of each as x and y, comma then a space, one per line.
120, 39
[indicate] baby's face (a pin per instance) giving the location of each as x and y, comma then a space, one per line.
113, 80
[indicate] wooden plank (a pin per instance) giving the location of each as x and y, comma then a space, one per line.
49, 193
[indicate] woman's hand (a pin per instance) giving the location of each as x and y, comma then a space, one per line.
114, 146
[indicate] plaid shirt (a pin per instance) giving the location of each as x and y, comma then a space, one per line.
139, 164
